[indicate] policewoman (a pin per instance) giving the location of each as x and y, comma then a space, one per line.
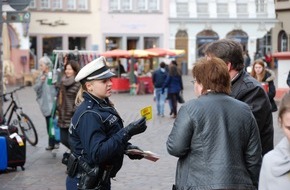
98, 138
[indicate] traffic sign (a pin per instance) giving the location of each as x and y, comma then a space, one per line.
18, 16
19, 4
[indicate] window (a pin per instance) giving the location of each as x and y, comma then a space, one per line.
71, 4
113, 5
126, 5
150, 42
141, 5
32, 4
261, 6
202, 10
44, 4
282, 41
153, 5
222, 10
242, 9
182, 9
56, 4
134, 5
83, 5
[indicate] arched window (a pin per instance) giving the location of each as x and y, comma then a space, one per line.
202, 38
282, 41
239, 36
181, 42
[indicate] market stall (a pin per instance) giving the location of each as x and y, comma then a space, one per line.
120, 84
145, 85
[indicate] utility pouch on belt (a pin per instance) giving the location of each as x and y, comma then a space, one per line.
89, 176
72, 165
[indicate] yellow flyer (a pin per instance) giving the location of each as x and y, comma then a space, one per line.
147, 112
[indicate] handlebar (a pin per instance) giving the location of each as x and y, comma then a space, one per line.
13, 91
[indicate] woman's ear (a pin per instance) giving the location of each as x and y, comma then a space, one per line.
88, 86
198, 89
229, 66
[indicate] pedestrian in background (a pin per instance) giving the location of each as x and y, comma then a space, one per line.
288, 79
174, 85
245, 88
275, 171
45, 96
98, 139
215, 136
269, 58
120, 68
158, 78
247, 59
66, 99
266, 78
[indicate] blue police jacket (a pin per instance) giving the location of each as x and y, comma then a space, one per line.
97, 135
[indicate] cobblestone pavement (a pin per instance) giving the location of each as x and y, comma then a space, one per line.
43, 171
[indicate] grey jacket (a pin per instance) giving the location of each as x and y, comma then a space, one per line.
45, 95
216, 139
275, 171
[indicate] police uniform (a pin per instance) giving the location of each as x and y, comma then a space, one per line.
97, 134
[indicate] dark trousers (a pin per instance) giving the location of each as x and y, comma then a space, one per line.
71, 184
173, 99
64, 135
51, 140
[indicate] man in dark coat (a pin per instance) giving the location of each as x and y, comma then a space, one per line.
245, 88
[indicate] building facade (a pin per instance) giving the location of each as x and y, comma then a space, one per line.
133, 24
15, 47
63, 25
198, 22
281, 31
140, 24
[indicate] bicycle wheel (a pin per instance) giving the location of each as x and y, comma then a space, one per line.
28, 129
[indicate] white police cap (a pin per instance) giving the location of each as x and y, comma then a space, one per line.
96, 69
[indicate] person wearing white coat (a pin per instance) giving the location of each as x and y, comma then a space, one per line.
275, 170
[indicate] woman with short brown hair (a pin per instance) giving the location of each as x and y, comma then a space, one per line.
215, 136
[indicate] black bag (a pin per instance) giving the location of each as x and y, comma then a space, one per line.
65, 157
180, 98
89, 177
16, 146
173, 187
16, 149
7, 130
72, 165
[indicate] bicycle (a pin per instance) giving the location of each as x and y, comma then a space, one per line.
22, 120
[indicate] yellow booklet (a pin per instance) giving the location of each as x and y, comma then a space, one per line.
147, 112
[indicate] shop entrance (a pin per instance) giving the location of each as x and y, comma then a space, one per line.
51, 43
77, 42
